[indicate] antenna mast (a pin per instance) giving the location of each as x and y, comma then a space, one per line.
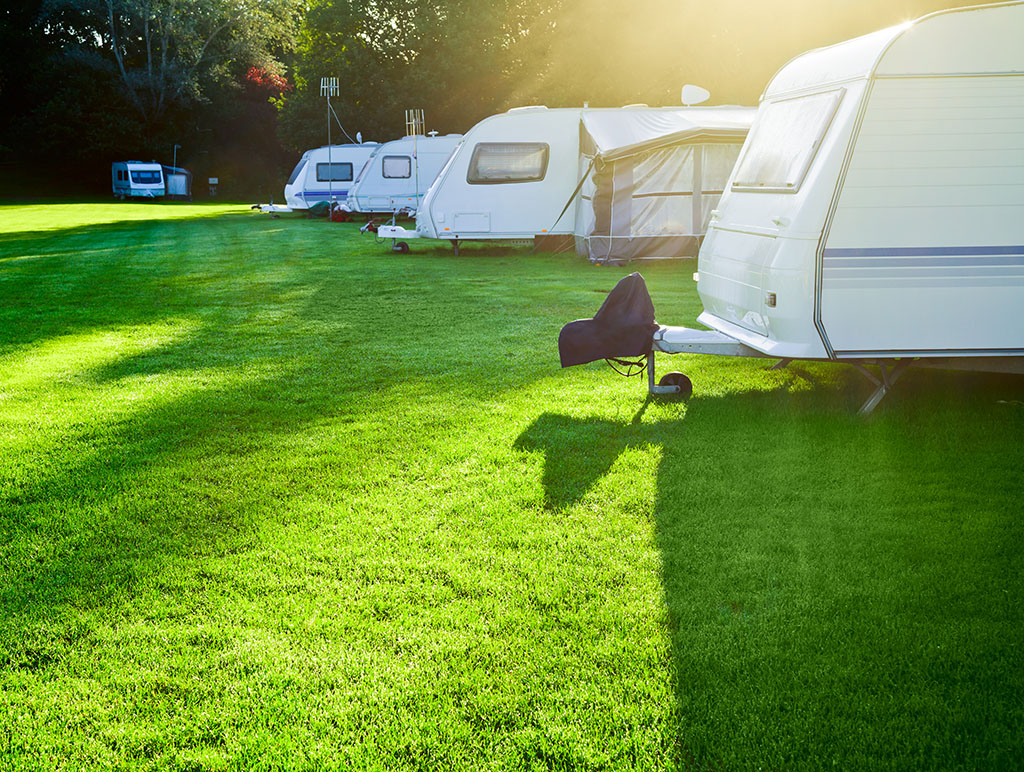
329, 88
414, 127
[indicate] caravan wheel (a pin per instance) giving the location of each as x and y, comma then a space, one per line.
401, 247
680, 381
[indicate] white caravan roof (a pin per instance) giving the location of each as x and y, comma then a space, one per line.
942, 43
625, 132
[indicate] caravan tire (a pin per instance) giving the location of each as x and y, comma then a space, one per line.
680, 381
401, 247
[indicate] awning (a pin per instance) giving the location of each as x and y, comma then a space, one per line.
616, 134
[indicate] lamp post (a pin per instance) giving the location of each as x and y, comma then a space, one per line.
174, 152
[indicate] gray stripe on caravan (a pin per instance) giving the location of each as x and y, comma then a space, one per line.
926, 272
921, 282
931, 260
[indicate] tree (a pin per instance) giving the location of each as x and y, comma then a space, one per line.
163, 53
459, 59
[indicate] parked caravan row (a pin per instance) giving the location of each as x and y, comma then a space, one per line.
368, 177
135, 179
621, 182
876, 211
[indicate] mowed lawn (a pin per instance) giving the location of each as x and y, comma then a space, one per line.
272, 497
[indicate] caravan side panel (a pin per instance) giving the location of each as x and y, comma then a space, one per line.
926, 248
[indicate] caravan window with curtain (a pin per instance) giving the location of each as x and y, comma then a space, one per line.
334, 172
397, 167
500, 162
786, 136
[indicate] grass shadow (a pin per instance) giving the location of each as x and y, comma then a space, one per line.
836, 588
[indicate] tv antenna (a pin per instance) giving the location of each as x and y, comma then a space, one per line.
415, 127
329, 88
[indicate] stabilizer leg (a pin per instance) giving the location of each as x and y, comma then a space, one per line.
883, 385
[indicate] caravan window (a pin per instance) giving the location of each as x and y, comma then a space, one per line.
786, 136
369, 161
297, 171
397, 166
146, 178
334, 172
499, 162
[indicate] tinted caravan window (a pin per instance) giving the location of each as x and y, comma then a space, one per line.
397, 166
334, 172
147, 178
297, 171
499, 162
786, 136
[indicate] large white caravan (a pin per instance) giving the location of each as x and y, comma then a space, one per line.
135, 179
506, 180
876, 212
398, 174
325, 174
651, 178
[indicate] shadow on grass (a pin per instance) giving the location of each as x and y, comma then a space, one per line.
275, 341
836, 588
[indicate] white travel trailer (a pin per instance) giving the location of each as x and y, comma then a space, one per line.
135, 179
325, 174
876, 213
398, 174
506, 180
651, 179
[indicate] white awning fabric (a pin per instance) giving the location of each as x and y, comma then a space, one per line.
622, 133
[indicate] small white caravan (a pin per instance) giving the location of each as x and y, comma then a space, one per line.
398, 174
135, 179
876, 212
651, 178
325, 174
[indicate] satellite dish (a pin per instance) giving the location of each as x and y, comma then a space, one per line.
694, 95
359, 137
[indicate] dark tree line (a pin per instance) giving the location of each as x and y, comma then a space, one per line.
236, 82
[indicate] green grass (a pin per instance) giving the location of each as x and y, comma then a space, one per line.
272, 497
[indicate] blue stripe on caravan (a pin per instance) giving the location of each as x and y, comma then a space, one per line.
921, 251
308, 193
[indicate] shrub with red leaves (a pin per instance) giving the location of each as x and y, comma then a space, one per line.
259, 78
